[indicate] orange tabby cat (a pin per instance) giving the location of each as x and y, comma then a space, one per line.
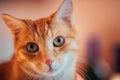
44, 49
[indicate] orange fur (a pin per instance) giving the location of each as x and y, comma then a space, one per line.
25, 66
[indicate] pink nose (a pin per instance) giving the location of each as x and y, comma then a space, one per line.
48, 62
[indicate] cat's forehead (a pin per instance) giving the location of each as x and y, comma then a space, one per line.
42, 26
39, 27
44, 29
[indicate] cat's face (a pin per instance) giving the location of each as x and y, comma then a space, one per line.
46, 46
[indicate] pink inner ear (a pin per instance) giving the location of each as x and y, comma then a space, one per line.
67, 19
65, 11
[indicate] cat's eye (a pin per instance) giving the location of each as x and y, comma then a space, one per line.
32, 47
58, 41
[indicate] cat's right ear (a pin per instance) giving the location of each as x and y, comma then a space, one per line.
14, 24
65, 12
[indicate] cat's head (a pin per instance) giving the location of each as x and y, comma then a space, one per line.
45, 46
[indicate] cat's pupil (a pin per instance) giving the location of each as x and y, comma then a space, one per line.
58, 41
32, 47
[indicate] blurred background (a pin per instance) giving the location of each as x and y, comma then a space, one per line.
96, 21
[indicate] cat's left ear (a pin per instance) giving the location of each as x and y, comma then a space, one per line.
14, 24
65, 11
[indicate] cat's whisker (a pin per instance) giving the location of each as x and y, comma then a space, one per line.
28, 76
84, 62
84, 59
81, 71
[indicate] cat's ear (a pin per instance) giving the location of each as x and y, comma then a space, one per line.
65, 11
14, 24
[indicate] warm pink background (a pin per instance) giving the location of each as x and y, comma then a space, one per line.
92, 17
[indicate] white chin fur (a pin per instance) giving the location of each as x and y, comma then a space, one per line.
67, 69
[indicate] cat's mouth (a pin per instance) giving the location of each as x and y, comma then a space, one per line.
51, 70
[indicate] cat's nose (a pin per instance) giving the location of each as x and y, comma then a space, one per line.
48, 62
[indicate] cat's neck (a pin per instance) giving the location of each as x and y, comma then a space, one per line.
10, 70
6, 70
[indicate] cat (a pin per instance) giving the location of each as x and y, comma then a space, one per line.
44, 49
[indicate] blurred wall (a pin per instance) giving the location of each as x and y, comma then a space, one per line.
93, 18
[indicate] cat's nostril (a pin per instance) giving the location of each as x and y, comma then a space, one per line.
48, 62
